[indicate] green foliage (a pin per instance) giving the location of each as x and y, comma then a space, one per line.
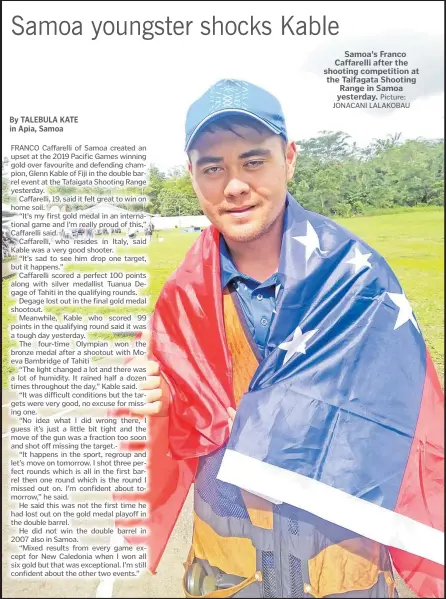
336, 178
156, 180
333, 176
328, 146
177, 196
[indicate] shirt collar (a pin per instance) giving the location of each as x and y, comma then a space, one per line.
227, 266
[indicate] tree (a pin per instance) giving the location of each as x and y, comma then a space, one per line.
177, 203
333, 178
328, 146
156, 180
382, 145
180, 180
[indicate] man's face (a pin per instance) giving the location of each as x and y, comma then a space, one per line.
241, 180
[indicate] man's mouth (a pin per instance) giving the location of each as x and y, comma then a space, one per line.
240, 210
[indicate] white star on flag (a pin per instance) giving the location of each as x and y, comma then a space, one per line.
359, 260
298, 344
405, 311
310, 241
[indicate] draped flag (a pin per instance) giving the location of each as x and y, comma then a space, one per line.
344, 416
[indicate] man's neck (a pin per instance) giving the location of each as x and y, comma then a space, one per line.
259, 259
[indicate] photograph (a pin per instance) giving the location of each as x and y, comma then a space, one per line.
223, 299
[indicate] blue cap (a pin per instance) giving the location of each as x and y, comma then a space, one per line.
230, 97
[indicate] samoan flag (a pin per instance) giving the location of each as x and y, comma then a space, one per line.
344, 416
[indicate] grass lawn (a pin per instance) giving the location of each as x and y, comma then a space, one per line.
165, 257
412, 243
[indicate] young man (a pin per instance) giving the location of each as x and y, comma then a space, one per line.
277, 366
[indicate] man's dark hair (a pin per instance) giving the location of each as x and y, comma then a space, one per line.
227, 123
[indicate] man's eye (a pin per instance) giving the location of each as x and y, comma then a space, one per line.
255, 163
211, 170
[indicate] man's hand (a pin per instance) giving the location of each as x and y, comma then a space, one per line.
231, 416
154, 387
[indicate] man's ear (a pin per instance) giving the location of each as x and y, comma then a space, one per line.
291, 157
189, 167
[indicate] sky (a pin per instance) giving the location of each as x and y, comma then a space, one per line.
127, 90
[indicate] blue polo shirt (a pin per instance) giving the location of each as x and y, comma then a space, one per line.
257, 299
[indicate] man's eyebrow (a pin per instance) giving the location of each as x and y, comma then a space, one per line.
208, 159
248, 154
255, 152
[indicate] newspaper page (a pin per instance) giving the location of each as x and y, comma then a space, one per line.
117, 160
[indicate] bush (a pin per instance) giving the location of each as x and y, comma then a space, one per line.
358, 207
342, 210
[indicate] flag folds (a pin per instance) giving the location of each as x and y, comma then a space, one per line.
344, 416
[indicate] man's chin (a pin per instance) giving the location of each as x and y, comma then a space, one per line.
242, 233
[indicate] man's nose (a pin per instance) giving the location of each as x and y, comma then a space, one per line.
236, 187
